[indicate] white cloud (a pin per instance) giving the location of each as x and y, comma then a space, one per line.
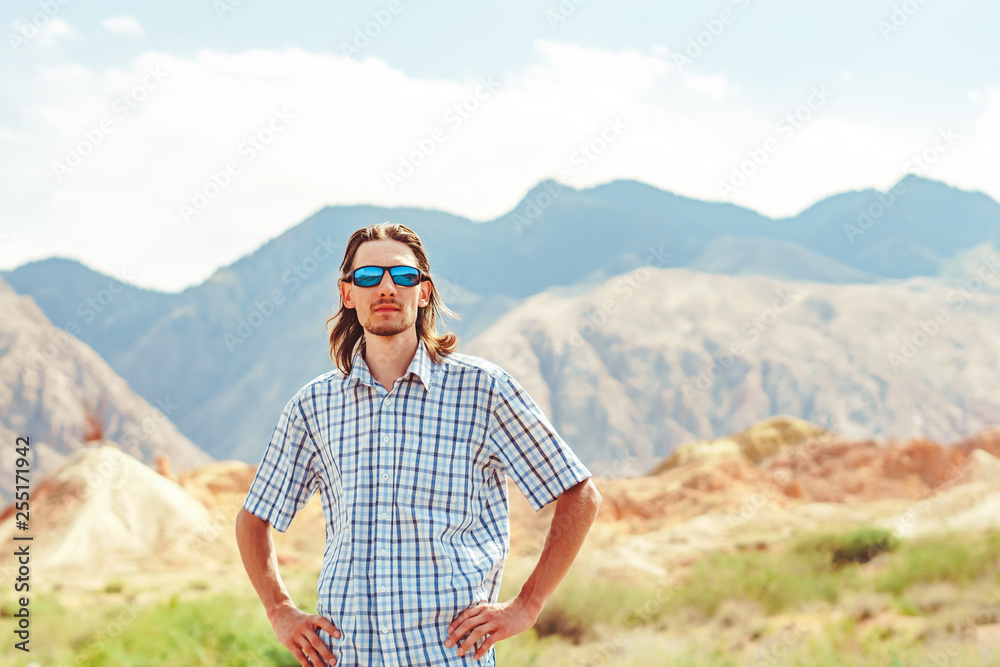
971, 163
714, 85
47, 32
123, 25
176, 123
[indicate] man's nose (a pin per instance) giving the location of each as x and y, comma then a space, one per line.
386, 287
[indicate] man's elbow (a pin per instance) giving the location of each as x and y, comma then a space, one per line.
247, 521
594, 497
588, 498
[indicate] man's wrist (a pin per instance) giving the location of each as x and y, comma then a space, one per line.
278, 607
530, 603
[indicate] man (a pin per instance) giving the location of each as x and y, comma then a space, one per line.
410, 444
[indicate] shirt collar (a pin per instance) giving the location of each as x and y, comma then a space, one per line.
421, 366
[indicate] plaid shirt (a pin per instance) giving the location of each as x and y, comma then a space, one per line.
414, 492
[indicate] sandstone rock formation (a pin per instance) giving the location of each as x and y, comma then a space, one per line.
105, 510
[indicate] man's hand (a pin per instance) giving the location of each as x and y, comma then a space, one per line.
575, 511
295, 630
493, 621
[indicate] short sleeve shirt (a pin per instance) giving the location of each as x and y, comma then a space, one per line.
414, 489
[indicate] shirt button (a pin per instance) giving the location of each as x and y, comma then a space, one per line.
385, 438
385, 629
382, 589
385, 475
382, 552
384, 515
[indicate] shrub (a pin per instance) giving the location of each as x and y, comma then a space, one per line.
857, 546
953, 558
116, 586
863, 545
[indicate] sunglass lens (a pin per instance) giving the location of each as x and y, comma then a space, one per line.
405, 276
367, 276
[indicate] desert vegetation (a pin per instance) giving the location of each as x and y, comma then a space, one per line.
856, 596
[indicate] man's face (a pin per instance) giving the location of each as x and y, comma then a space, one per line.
385, 309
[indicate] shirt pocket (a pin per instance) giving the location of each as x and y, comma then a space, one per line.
435, 475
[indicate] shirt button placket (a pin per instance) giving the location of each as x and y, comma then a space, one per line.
383, 531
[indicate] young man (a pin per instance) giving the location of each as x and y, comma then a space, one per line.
410, 444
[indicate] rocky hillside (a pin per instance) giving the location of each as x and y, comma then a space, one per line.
658, 357
65, 397
105, 510
103, 506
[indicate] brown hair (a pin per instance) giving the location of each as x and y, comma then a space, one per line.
347, 335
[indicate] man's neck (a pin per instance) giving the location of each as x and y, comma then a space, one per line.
388, 357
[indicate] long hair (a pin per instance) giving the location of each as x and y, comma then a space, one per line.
347, 335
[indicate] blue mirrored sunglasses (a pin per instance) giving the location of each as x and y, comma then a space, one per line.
369, 276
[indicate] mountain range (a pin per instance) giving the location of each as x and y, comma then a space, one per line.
229, 352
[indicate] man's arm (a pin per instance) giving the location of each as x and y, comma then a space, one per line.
294, 628
575, 512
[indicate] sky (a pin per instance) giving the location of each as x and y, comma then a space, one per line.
160, 141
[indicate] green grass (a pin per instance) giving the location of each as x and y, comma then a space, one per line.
813, 568
723, 610
582, 606
222, 630
817, 567
776, 584
835, 645
961, 561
